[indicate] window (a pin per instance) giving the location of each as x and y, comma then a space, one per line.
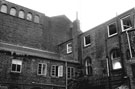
70, 72
42, 69
112, 30
16, 66
36, 19
88, 66
87, 40
21, 14
69, 47
115, 57
126, 23
56, 71
13, 11
3, 8
133, 69
29, 16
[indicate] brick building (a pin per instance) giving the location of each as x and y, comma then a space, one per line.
107, 53
36, 51
41, 52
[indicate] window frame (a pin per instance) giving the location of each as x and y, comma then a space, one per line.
84, 38
122, 26
56, 71
70, 75
89, 65
42, 69
115, 60
16, 66
69, 48
108, 29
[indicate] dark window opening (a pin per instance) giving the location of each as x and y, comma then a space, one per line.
112, 29
87, 40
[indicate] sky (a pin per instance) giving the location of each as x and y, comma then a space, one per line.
91, 13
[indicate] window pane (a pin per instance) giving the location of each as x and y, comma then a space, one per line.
53, 71
13, 67
68, 70
39, 68
18, 68
44, 69
87, 40
36, 19
112, 29
29, 17
56, 70
72, 72
3, 8
69, 48
21, 14
117, 65
126, 23
13, 11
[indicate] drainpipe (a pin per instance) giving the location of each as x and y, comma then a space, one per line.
129, 45
66, 75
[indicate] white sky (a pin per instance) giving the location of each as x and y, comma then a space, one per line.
91, 12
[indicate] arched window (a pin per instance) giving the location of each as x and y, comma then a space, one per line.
115, 57
13, 11
3, 8
88, 66
36, 19
29, 16
21, 14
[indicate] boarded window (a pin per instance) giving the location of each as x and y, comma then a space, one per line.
21, 14
13, 11
36, 19
29, 16
3, 8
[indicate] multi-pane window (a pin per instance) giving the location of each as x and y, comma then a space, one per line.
70, 72
36, 19
88, 66
16, 66
115, 57
87, 40
126, 23
29, 16
112, 29
21, 14
69, 47
42, 69
57, 71
3, 8
12, 11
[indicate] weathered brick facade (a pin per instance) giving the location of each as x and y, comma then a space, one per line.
32, 43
